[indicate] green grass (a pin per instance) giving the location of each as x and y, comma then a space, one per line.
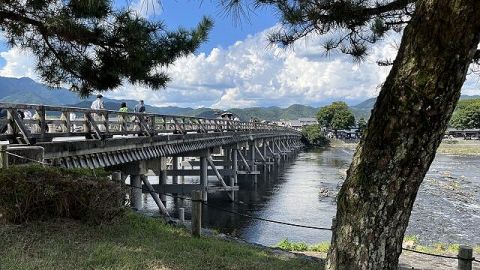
131, 242
292, 246
437, 248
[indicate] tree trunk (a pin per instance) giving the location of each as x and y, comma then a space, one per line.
406, 127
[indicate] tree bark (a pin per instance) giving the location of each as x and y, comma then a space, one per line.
406, 127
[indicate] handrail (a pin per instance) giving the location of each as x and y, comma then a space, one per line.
49, 122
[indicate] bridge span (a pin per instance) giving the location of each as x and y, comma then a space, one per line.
136, 144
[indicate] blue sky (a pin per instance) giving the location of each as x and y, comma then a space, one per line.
237, 67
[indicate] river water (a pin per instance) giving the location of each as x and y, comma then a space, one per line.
303, 191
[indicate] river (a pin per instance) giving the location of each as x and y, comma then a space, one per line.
447, 208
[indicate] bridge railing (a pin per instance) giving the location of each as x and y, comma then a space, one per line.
28, 123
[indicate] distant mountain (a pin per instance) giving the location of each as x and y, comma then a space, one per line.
271, 113
464, 97
363, 109
26, 90
365, 105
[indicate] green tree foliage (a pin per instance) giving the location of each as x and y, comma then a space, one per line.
312, 135
467, 115
90, 45
362, 124
336, 116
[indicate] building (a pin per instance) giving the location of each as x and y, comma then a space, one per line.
307, 121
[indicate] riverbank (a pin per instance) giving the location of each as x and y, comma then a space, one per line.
130, 242
407, 260
447, 147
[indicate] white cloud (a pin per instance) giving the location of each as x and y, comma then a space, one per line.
19, 63
253, 73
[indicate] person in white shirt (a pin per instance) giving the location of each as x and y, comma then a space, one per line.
98, 103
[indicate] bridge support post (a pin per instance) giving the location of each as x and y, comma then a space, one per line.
136, 191
175, 167
175, 177
253, 167
3, 157
162, 178
245, 154
227, 151
204, 175
278, 155
234, 165
266, 155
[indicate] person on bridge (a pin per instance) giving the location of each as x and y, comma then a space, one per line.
122, 117
123, 107
140, 107
98, 103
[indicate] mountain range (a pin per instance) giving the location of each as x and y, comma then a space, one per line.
25, 90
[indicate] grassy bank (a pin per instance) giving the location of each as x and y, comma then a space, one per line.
131, 242
410, 242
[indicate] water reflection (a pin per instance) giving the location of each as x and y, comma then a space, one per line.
447, 207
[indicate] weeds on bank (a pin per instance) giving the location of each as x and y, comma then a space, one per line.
409, 241
292, 246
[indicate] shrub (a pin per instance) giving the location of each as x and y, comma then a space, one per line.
37, 193
313, 136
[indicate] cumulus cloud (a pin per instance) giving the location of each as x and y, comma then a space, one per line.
19, 63
252, 72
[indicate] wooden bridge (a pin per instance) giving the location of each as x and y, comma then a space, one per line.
135, 144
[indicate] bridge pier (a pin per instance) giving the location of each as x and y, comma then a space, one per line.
136, 191
136, 170
204, 175
253, 166
162, 178
235, 164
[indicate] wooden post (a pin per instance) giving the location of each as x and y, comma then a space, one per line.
155, 197
175, 167
253, 159
235, 165
229, 166
181, 214
43, 121
204, 176
162, 178
3, 156
465, 258
228, 161
117, 176
197, 213
265, 154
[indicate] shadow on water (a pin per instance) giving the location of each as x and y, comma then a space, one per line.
303, 191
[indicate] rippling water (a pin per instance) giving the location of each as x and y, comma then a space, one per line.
447, 208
